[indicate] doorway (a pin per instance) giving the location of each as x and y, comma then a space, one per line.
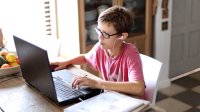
185, 37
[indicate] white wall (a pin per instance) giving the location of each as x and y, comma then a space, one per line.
24, 18
68, 26
162, 44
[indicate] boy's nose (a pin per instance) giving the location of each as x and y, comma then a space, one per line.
100, 37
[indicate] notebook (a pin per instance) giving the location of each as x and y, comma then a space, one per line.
111, 101
37, 73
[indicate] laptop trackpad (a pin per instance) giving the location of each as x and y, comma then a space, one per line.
65, 75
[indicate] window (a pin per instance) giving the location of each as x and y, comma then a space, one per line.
42, 18
28, 19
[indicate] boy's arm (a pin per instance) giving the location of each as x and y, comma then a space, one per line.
135, 88
63, 64
77, 60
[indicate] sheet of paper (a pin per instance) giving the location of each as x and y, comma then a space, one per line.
107, 101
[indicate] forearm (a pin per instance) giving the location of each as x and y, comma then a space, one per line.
132, 88
77, 60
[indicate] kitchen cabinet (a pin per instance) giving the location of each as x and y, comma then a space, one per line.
141, 32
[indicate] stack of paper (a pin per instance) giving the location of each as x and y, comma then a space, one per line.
108, 101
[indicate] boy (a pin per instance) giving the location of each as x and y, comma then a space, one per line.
118, 62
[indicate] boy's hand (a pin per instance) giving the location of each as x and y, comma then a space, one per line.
53, 67
84, 81
59, 65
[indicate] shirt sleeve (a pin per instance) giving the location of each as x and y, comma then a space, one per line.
91, 56
135, 70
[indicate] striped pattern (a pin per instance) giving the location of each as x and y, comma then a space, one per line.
47, 17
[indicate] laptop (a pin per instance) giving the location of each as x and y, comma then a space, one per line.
37, 73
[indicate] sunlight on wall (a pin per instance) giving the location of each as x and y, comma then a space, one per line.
68, 27
24, 18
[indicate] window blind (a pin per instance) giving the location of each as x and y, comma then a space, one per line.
47, 10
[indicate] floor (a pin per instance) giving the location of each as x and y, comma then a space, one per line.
182, 96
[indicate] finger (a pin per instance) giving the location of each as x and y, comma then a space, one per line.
58, 68
83, 83
73, 83
76, 77
76, 82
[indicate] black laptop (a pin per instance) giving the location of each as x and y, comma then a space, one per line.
55, 85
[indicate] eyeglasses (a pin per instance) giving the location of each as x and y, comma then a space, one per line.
104, 34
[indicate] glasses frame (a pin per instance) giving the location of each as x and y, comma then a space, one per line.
104, 34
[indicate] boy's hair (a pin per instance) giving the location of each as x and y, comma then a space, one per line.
120, 17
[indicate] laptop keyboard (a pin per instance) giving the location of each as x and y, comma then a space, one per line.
64, 90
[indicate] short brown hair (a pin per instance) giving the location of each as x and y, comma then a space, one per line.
120, 17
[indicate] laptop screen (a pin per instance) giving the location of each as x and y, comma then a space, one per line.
35, 67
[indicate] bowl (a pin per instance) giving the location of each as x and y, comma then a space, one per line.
10, 70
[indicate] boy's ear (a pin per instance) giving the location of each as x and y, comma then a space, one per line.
124, 36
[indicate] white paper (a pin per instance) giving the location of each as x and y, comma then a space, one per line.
107, 101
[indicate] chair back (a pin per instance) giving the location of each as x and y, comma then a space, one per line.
151, 71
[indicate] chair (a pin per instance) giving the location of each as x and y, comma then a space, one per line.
151, 71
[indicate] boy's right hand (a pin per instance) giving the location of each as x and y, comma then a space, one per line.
53, 67
59, 65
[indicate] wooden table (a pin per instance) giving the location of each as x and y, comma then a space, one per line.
17, 96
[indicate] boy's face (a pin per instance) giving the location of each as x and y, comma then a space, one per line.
107, 35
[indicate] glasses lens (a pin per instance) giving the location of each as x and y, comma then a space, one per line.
99, 32
105, 35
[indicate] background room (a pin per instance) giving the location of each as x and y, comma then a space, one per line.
173, 30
